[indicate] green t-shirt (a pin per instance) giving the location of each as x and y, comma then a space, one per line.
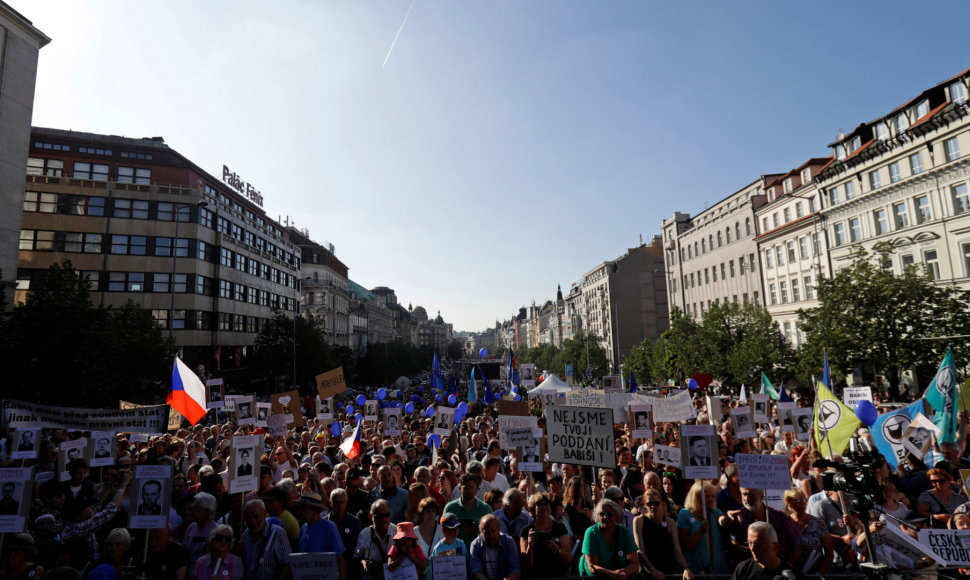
610, 556
475, 514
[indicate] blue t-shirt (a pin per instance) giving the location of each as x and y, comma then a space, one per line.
703, 556
322, 536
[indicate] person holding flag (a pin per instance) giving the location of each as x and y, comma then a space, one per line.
188, 393
835, 424
941, 396
767, 388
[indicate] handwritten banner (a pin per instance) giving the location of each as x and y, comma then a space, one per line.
581, 436
672, 409
763, 471
331, 383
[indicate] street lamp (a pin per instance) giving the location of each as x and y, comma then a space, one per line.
175, 241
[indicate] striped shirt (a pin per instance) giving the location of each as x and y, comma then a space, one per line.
265, 556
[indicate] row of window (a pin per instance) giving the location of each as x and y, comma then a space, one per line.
708, 243
203, 320
709, 275
779, 219
87, 170
778, 292
788, 250
697, 309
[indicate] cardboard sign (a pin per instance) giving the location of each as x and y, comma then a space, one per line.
276, 425
803, 422
714, 411
449, 567
592, 398
698, 444
246, 410
950, 546
509, 422
517, 408
641, 422
214, 393
743, 423
897, 539
785, 417
444, 418
759, 408
314, 566
763, 471
392, 421
673, 409
25, 444
581, 436
666, 455
243, 476
102, 452
331, 383
288, 405
919, 435
16, 488
852, 395
152, 487
23, 415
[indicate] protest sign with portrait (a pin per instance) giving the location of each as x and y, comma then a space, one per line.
262, 413
246, 410
443, 421
392, 421
918, 437
743, 423
243, 476
759, 408
152, 500
714, 411
803, 422
214, 393
288, 405
698, 444
370, 410
640, 421
70, 451
325, 409
25, 444
16, 487
786, 418
102, 448
666, 455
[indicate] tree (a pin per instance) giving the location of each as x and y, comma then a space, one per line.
869, 316
58, 348
680, 351
642, 361
743, 341
574, 352
274, 352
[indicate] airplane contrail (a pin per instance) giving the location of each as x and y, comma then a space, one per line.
403, 22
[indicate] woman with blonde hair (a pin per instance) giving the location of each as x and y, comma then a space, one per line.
699, 527
219, 563
657, 539
813, 537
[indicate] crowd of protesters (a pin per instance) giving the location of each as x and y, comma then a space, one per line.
399, 504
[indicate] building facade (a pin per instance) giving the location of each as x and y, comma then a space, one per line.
20, 44
324, 287
141, 222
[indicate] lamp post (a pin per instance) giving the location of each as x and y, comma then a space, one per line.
175, 215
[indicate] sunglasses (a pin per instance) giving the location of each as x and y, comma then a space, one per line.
383, 515
606, 515
937, 481
652, 504
223, 538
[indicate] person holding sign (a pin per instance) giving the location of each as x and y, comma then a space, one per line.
318, 534
699, 526
608, 547
219, 563
406, 553
657, 539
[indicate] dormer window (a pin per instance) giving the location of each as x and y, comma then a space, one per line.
958, 93
839, 152
881, 131
856, 143
922, 108
787, 185
806, 175
901, 123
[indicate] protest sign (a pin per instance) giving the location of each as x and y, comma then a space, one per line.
611, 383
276, 425
392, 421
673, 409
331, 383
407, 571
246, 410
803, 422
950, 546
69, 451
245, 450
527, 373
519, 436
965, 478
325, 409
153, 499
620, 403
852, 395
775, 498
314, 566
518, 408
25, 444
548, 400
530, 452
443, 421
714, 411
666, 455
370, 410
507, 422
785, 417
214, 393
262, 413
640, 421
449, 567
743, 424
23, 415
174, 417
698, 444
759, 408
102, 448
895, 538
590, 398
288, 405
16, 487
763, 471
919, 435
138, 438
581, 436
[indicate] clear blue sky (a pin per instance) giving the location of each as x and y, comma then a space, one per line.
506, 146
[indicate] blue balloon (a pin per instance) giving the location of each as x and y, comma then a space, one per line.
452, 400
359, 418
561, 395
420, 389
361, 399
866, 412
515, 389
463, 408
429, 411
340, 405
457, 418
409, 408
349, 409
335, 429
435, 439
692, 384
437, 398
483, 353
381, 393
518, 398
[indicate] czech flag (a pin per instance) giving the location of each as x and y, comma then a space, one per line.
188, 393
351, 445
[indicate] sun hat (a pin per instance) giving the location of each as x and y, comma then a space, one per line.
405, 530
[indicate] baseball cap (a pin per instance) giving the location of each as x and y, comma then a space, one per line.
450, 521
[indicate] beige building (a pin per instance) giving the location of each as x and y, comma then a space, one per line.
324, 287
20, 43
792, 246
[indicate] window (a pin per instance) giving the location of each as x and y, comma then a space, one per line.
787, 215
787, 332
952, 149
719, 239
901, 123
966, 259
167, 212
855, 229
753, 265
803, 248
932, 263
129, 208
82, 243
737, 230
961, 197
856, 143
923, 211
204, 286
222, 225
839, 151
161, 283
764, 224
808, 288
747, 226
225, 289
784, 291
36, 240
134, 175
774, 219
794, 290
93, 279
811, 205
900, 215
40, 202
163, 247
768, 260
48, 167
958, 93
895, 173
703, 246
907, 260
838, 232
240, 262
83, 205
915, 163
126, 282
239, 292
791, 252
731, 267
875, 180
816, 245
133, 245
849, 190
786, 185
722, 271
834, 196
741, 264
881, 131
799, 212
922, 108
707, 277
92, 171
225, 257
772, 293
130, 155
225, 321
806, 175
780, 255
161, 318
881, 220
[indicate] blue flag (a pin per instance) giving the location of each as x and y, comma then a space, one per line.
513, 369
887, 431
487, 390
472, 391
941, 395
825, 372
633, 382
783, 396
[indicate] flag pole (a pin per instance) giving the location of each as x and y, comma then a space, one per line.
828, 442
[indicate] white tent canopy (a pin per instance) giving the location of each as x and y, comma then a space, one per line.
552, 384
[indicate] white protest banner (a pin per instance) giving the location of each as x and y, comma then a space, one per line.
592, 398
951, 546
673, 409
102, 448
803, 422
69, 451
16, 487
262, 413
640, 421
245, 450
22, 415
507, 422
443, 421
714, 411
407, 571
449, 567
153, 488
852, 395
325, 409
25, 444
246, 410
763, 471
699, 444
392, 421
743, 425
519, 436
370, 410
919, 435
786, 418
759, 405
581, 436
666, 455
276, 425
314, 566
620, 403
897, 539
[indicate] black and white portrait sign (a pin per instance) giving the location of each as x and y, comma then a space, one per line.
392, 421
25, 444
69, 451
243, 467
760, 406
714, 411
743, 424
640, 421
246, 410
325, 408
666, 455
262, 413
370, 410
919, 435
530, 453
102, 448
16, 485
698, 446
152, 489
443, 419
786, 418
802, 419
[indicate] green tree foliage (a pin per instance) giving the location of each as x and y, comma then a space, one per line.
642, 360
680, 351
59, 348
742, 342
870, 317
274, 351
